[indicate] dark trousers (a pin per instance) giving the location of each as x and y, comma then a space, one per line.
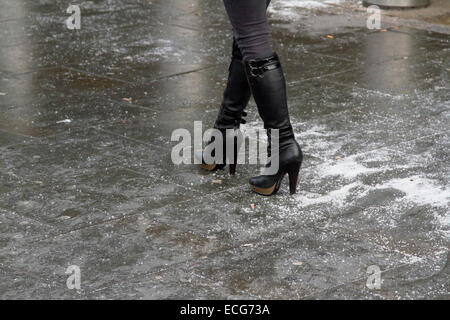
249, 21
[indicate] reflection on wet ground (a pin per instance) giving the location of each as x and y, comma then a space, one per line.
87, 179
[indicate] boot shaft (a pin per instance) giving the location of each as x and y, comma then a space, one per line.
268, 86
237, 94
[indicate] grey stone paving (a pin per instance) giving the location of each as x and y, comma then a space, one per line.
87, 178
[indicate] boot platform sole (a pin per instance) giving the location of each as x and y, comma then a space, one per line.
209, 167
292, 172
215, 166
264, 191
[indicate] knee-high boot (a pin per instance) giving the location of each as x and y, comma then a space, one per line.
268, 86
235, 99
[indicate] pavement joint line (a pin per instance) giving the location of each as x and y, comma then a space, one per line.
128, 138
182, 73
132, 104
373, 64
182, 10
152, 177
418, 138
358, 68
19, 135
92, 74
362, 111
378, 92
409, 34
53, 236
37, 139
15, 44
186, 12
88, 31
140, 81
322, 76
186, 27
57, 134
379, 116
361, 87
13, 19
14, 213
34, 219
332, 57
31, 70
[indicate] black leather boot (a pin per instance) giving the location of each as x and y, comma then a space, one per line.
268, 86
235, 99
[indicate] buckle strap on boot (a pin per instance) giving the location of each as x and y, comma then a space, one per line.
257, 67
236, 117
229, 119
283, 133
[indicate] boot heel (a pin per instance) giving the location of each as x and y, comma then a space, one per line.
293, 172
234, 164
232, 169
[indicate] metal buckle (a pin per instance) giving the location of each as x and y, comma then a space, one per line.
253, 68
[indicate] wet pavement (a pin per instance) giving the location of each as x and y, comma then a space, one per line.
87, 179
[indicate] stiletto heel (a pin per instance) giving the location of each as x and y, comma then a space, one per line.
234, 163
293, 177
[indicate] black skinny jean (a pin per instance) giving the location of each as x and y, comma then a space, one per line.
250, 29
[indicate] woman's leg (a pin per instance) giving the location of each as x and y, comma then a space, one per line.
268, 85
249, 21
237, 92
235, 99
